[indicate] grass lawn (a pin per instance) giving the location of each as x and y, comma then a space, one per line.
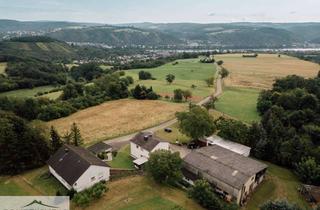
34, 182
239, 103
187, 72
280, 183
174, 135
3, 67
139, 192
27, 93
123, 159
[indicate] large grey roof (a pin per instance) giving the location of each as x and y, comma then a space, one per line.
71, 162
148, 144
224, 165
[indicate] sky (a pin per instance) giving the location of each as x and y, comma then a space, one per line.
165, 11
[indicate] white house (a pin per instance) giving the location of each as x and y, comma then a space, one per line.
76, 168
143, 144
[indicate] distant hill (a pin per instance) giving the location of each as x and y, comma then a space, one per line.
43, 48
116, 36
37, 26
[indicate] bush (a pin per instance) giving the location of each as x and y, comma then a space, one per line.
85, 197
144, 75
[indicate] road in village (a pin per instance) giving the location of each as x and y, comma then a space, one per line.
122, 140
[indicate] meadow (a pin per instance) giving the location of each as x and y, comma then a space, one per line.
30, 93
280, 183
239, 103
117, 118
142, 193
187, 72
261, 72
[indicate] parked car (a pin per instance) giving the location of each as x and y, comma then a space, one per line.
168, 130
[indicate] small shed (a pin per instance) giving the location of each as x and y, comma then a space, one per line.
102, 151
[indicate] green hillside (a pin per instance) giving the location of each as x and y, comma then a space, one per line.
43, 49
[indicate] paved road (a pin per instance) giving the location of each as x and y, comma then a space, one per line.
124, 139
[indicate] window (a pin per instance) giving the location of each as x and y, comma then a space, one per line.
75, 184
137, 146
93, 178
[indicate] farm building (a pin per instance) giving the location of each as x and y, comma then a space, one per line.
230, 145
102, 151
232, 175
76, 168
143, 144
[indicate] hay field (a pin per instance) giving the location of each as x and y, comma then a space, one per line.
3, 67
262, 71
117, 118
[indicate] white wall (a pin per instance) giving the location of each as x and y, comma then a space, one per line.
100, 173
54, 173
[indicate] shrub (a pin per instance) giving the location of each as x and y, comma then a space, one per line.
85, 197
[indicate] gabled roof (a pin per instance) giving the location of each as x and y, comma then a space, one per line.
146, 140
71, 162
224, 165
99, 147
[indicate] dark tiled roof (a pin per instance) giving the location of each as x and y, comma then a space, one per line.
71, 162
225, 165
148, 144
189, 175
99, 147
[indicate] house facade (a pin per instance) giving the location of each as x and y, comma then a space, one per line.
76, 168
143, 144
233, 175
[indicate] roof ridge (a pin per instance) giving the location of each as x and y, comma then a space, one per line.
74, 149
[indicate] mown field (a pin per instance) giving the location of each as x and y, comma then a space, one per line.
261, 72
30, 93
239, 103
142, 193
118, 118
188, 72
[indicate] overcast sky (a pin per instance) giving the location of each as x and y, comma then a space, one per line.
129, 11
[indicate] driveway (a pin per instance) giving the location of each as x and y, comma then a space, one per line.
183, 150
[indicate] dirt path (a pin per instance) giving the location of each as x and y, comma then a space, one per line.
124, 139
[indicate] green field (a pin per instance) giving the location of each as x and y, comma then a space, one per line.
280, 183
239, 103
188, 72
3, 67
29, 93
123, 159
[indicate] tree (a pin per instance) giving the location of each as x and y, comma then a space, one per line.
197, 123
144, 75
202, 192
55, 140
279, 205
178, 95
170, 78
187, 94
142, 93
165, 166
209, 81
220, 62
232, 130
308, 171
76, 135
22, 147
211, 103
224, 73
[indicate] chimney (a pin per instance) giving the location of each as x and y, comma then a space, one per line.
146, 137
66, 150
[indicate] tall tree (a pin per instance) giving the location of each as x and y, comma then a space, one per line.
165, 166
55, 140
76, 135
197, 123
